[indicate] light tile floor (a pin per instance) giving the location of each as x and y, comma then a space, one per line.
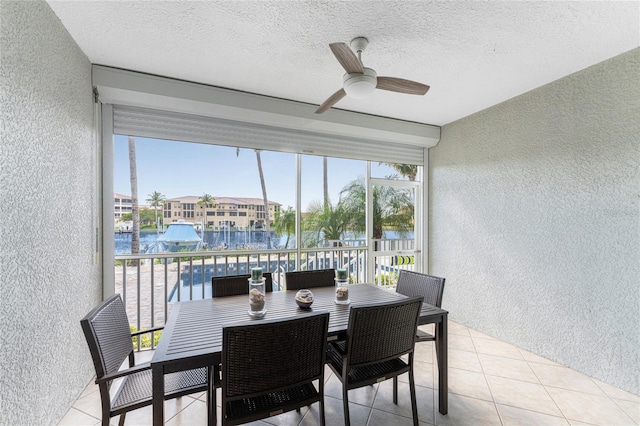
490, 383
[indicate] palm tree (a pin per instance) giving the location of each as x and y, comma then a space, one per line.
325, 181
327, 222
207, 201
264, 197
133, 172
267, 223
285, 223
392, 208
156, 200
407, 170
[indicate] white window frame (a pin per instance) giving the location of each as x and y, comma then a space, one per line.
336, 133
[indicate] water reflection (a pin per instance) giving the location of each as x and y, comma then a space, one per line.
232, 240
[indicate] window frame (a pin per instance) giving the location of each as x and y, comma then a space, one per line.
420, 235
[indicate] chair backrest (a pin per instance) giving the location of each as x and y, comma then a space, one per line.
416, 284
261, 356
381, 332
233, 285
108, 335
310, 279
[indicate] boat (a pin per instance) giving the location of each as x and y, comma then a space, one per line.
181, 236
125, 227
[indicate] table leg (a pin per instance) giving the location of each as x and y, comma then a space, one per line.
441, 347
158, 395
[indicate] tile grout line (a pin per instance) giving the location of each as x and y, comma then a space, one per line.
589, 394
193, 400
373, 401
81, 411
564, 416
614, 399
484, 375
623, 410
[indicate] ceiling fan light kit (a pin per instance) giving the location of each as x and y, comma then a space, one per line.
359, 86
359, 81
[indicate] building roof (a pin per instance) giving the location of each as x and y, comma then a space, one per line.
186, 199
223, 200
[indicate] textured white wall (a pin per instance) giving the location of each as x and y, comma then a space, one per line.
535, 223
48, 185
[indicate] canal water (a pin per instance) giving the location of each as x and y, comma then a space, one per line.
232, 240
192, 277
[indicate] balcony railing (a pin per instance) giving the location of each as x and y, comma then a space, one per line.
151, 283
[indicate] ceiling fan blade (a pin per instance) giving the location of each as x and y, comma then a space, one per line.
347, 58
331, 101
402, 86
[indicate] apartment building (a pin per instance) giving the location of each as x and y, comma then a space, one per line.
227, 212
122, 204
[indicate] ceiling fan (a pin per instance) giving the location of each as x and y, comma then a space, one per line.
359, 81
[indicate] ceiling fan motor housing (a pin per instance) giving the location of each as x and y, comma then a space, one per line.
359, 86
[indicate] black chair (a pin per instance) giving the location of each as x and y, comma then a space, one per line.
233, 285
268, 367
430, 288
377, 337
309, 279
106, 329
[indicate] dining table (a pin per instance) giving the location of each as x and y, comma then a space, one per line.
192, 337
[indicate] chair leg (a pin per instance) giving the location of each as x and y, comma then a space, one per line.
120, 422
345, 403
321, 389
322, 419
105, 403
414, 405
395, 390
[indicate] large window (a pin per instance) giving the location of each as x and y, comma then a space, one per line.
204, 154
178, 178
325, 182
174, 179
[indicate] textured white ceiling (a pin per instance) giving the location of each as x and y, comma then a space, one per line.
472, 54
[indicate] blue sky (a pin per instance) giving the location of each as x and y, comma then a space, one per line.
178, 169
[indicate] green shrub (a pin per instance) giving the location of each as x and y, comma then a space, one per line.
145, 343
387, 279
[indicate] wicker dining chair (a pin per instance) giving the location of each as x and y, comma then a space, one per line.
268, 367
309, 279
377, 337
106, 329
233, 285
429, 287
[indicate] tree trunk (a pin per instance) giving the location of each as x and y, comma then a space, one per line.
135, 213
264, 197
377, 235
325, 182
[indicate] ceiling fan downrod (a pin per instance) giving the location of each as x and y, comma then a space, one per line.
358, 45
